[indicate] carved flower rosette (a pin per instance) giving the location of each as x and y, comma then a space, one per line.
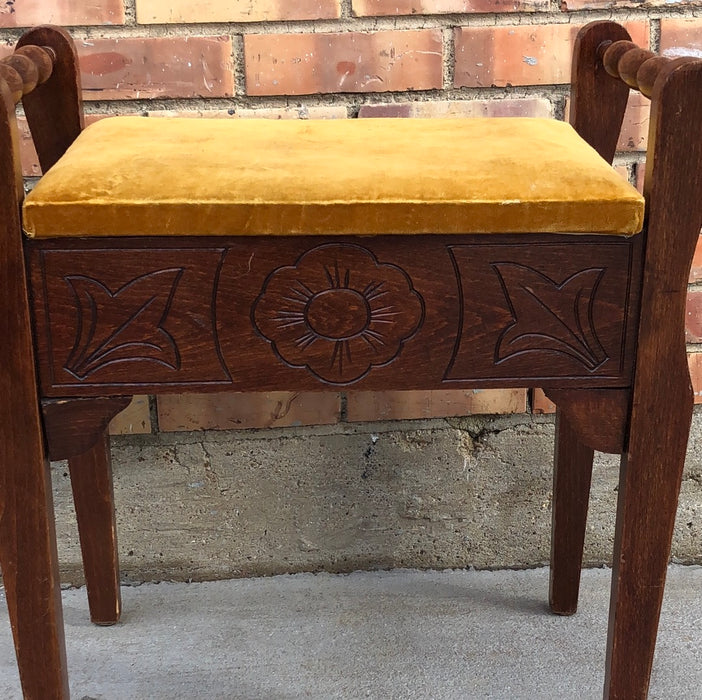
338, 312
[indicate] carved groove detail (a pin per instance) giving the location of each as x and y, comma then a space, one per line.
125, 325
299, 313
550, 316
338, 312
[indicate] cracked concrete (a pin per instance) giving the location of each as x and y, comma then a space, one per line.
427, 494
397, 635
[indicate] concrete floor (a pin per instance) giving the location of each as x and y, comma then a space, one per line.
396, 634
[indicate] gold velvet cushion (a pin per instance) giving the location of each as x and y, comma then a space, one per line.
136, 176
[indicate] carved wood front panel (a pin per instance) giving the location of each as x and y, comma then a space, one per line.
115, 316
124, 317
533, 310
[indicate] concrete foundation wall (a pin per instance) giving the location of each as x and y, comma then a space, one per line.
430, 494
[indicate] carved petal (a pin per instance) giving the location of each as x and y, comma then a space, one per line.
125, 325
550, 316
338, 312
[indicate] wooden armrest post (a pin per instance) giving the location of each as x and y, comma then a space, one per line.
597, 100
54, 108
662, 400
28, 555
657, 409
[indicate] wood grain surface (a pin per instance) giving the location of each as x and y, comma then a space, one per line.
116, 316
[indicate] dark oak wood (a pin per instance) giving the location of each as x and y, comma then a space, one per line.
74, 426
28, 555
636, 67
42, 57
586, 420
27, 70
630, 63
648, 73
223, 313
597, 99
653, 462
599, 416
595, 320
91, 481
13, 80
54, 109
76, 429
572, 474
612, 51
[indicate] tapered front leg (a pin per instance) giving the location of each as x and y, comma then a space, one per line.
91, 481
650, 479
29, 564
571, 491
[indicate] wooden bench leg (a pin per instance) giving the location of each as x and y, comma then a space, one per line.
650, 479
28, 555
29, 565
91, 481
580, 429
571, 492
76, 429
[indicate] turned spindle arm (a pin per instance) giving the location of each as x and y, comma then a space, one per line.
26, 68
636, 67
606, 66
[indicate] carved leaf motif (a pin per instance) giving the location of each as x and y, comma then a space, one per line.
123, 326
549, 315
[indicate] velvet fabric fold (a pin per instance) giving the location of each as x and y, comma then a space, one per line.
137, 176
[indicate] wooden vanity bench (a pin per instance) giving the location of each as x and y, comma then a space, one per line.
176, 255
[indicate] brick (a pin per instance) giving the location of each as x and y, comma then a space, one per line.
156, 67
134, 420
513, 55
529, 107
520, 55
623, 171
378, 8
28, 13
693, 316
175, 11
574, 5
640, 173
28, 154
299, 112
681, 37
275, 409
540, 404
696, 271
402, 405
634, 133
694, 361
304, 64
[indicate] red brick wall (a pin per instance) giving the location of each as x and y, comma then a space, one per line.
347, 59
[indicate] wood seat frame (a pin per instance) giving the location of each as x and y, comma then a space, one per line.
597, 321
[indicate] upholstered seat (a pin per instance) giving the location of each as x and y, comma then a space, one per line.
133, 176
